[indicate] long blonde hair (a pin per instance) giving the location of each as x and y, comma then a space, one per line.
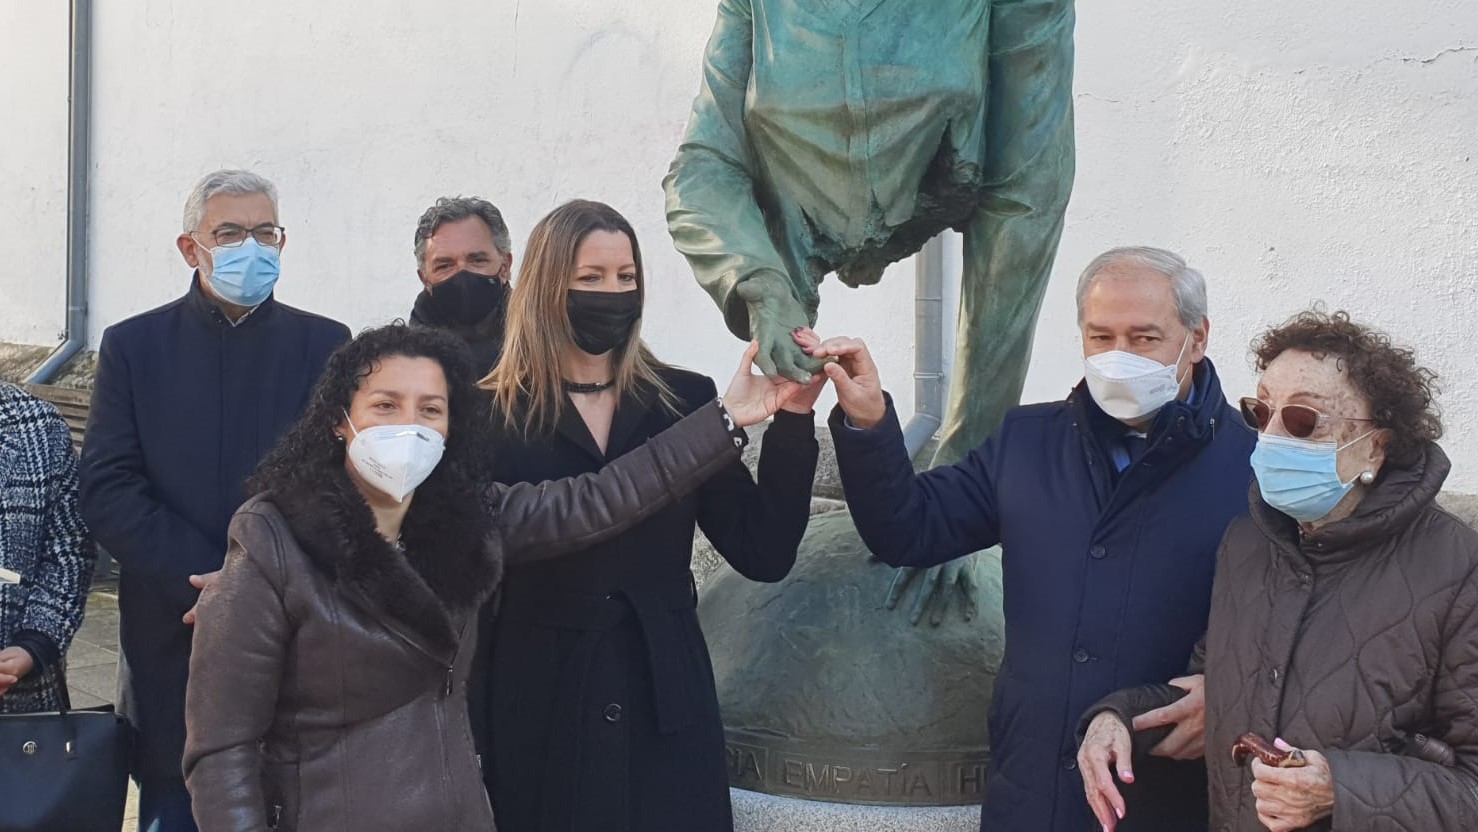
528, 383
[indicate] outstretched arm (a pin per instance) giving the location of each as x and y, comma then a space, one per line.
556, 517
906, 519
757, 526
712, 213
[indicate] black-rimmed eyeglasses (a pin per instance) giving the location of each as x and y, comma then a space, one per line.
230, 236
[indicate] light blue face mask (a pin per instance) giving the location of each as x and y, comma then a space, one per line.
244, 274
1298, 477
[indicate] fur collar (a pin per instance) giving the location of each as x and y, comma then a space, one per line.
452, 560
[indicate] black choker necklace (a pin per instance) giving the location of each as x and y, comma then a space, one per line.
588, 387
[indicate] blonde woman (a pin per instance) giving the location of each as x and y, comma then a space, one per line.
598, 708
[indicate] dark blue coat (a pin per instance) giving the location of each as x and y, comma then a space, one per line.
184, 407
1107, 576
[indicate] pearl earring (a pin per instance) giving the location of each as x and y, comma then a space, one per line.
1367, 478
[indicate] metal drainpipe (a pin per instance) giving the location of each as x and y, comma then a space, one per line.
928, 384
79, 103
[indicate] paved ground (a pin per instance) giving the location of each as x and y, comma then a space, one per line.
92, 662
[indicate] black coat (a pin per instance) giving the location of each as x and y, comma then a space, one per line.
184, 407
1106, 576
597, 708
484, 339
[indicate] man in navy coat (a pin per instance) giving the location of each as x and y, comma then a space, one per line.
188, 398
1108, 506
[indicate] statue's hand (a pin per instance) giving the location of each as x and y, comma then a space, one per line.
774, 314
934, 589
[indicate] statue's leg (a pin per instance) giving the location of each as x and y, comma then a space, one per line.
1012, 239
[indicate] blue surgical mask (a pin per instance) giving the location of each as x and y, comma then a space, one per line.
1298, 477
244, 274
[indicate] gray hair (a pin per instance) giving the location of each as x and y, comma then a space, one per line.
1188, 284
235, 182
454, 209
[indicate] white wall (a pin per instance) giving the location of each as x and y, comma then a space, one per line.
33, 171
1321, 150
1293, 151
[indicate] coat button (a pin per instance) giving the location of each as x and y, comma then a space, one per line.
1069, 762
612, 713
1275, 675
1080, 655
1098, 551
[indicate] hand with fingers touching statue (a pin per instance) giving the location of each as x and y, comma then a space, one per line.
854, 374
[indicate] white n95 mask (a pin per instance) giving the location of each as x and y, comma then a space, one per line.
395, 458
1130, 387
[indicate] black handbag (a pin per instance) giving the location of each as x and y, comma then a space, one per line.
64, 771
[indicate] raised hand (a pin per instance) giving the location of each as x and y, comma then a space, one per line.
774, 314
853, 374
752, 398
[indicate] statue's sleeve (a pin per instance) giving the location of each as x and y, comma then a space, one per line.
1029, 118
712, 213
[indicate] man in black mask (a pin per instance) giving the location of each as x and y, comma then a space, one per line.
464, 261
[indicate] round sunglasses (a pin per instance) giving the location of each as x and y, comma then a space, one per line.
1299, 420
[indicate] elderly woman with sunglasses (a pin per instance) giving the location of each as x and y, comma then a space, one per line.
1341, 656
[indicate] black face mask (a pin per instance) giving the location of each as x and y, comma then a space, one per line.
602, 320
464, 299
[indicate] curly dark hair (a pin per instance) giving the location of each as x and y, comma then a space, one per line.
1402, 395
310, 451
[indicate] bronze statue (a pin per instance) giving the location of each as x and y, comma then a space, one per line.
840, 136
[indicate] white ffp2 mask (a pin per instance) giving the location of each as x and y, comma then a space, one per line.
395, 458
1130, 387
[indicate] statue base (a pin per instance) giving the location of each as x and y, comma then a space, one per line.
828, 696
755, 812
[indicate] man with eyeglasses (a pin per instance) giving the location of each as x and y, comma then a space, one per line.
1108, 506
464, 260
188, 398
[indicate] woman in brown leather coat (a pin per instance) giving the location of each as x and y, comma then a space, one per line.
1344, 616
327, 679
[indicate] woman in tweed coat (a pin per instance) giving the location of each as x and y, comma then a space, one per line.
43, 541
